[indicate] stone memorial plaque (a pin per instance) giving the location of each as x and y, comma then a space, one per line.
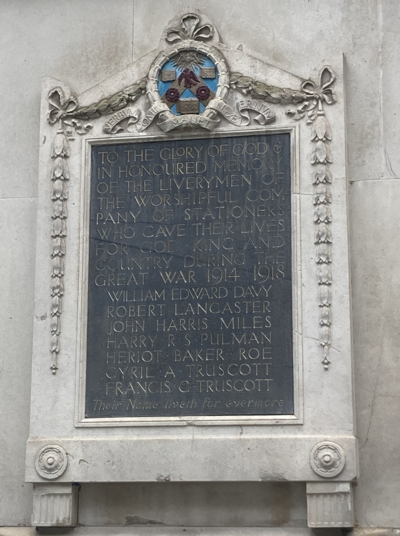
190, 278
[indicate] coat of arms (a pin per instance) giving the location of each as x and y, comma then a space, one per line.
188, 83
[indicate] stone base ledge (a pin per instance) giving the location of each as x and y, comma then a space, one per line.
170, 531
360, 531
194, 531
262, 457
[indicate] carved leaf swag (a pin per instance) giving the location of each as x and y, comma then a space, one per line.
59, 108
106, 106
258, 90
321, 158
243, 84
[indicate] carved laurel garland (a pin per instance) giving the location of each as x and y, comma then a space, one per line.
268, 93
311, 98
112, 104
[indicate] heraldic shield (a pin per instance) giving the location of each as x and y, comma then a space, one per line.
188, 82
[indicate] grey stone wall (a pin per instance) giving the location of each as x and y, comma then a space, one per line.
85, 41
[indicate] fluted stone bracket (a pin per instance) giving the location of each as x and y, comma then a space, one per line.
55, 505
330, 504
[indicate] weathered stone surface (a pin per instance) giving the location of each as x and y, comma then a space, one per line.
175, 531
389, 59
261, 504
86, 56
17, 253
376, 283
362, 531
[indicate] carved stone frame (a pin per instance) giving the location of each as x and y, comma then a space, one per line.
297, 416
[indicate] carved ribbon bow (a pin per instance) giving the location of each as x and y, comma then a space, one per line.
189, 30
316, 96
59, 106
320, 94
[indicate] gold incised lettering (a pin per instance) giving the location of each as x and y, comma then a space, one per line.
189, 293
